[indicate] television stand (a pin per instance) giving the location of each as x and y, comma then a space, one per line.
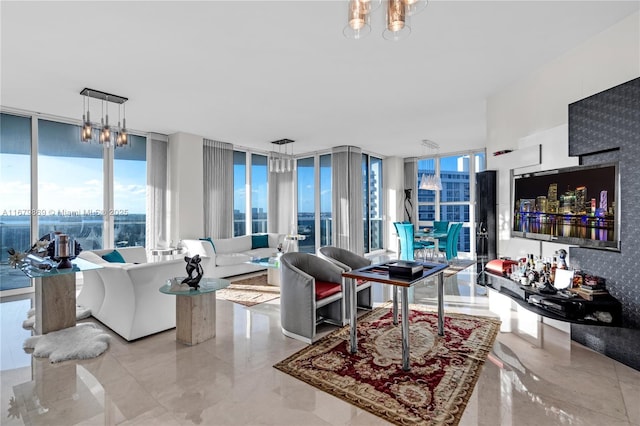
569, 309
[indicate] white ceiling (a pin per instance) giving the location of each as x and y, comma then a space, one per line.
252, 72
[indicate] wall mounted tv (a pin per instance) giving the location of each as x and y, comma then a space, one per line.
575, 205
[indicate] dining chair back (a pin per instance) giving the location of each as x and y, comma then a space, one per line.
440, 226
406, 236
451, 248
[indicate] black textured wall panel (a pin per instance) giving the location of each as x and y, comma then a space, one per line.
605, 127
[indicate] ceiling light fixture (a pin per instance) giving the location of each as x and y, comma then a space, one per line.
397, 17
430, 182
106, 135
282, 162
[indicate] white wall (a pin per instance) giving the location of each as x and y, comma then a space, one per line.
534, 111
393, 181
186, 180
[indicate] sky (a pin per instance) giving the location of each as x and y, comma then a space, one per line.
70, 184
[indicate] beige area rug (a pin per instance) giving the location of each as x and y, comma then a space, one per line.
444, 370
249, 291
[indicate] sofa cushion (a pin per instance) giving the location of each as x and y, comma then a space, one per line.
233, 245
203, 248
227, 259
90, 256
261, 252
259, 241
211, 241
113, 257
326, 289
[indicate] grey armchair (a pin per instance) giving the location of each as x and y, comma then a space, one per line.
348, 261
310, 293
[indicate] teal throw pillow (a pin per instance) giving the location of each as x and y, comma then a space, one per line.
114, 257
211, 241
259, 241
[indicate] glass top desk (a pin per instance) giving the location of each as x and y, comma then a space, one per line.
380, 273
196, 310
55, 294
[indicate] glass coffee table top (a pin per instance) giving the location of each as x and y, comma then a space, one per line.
267, 262
79, 265
207, 285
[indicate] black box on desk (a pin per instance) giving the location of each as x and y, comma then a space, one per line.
405, 269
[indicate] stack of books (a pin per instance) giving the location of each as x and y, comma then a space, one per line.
592, 287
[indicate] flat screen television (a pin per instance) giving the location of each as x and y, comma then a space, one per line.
574, 205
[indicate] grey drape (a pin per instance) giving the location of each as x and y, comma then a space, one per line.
411, 182
218, 189
280, 218
348, 227
157, 229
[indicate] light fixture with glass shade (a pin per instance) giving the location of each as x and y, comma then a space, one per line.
105, 131
123, 136
358, 21
282, 162
430, 182
106, 135
396, 19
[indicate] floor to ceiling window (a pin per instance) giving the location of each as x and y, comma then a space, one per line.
455, 197
15, 196
239, 193
306, 204
372, 207
70, 184
454, 203
130, 193
259, 193
326, 222
69, 194
426, 197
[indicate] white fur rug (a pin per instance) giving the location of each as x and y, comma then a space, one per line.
30, 322
83, 341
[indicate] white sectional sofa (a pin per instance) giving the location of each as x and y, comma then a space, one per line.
125, 296
230, 255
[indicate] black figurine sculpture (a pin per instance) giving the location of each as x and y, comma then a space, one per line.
193, 265
407, 200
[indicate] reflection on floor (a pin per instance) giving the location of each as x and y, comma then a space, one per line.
229, 380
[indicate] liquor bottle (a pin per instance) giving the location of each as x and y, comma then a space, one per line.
554, 266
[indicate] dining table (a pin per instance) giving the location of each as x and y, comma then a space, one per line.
427, 234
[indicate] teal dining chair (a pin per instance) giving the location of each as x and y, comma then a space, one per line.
449, 247
441, 227
408, 245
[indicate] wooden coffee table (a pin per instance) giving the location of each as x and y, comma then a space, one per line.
196, 310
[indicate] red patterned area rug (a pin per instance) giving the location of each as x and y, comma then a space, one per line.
444, 370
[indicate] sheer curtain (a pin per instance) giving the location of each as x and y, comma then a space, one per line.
347, 198
157, 229
411, 182
218, 189
281, 198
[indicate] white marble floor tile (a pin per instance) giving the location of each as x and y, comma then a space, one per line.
229, 380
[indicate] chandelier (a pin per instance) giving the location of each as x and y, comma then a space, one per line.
103, 132
282, 162
396, 19
430, 182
